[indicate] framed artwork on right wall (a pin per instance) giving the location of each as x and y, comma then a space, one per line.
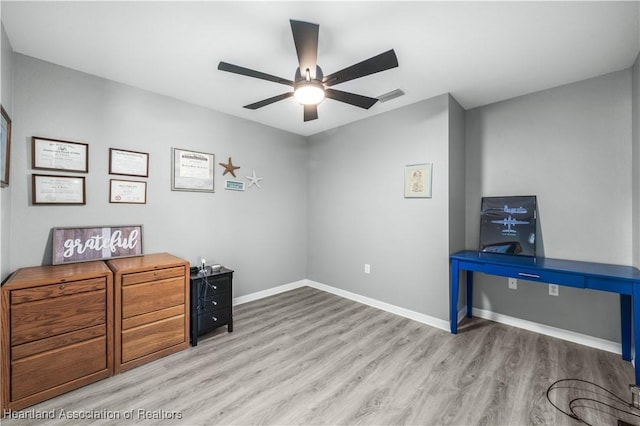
508, 225
5, 147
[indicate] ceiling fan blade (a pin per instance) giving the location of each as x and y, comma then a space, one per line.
381, 62
310, 112
269, 101
224, 66
305, 37
350, 98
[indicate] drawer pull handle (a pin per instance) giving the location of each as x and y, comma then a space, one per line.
62, 286
214, 303
524, 274
214, 318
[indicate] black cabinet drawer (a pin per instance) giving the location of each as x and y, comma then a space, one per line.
212, 285
214, 301
213, 319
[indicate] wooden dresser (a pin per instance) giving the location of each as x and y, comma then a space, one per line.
151, 308
57, 331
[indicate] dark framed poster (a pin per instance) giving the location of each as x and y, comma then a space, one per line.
508, 225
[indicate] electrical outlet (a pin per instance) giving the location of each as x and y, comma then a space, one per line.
367, 268
513, 283
553, 289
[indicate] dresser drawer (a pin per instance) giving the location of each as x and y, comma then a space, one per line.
59, 341
46, 318
57, 290
150, 338
154, 316
155, 275
214, 319
47, 370
152, 296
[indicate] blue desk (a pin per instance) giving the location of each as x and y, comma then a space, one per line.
624, 280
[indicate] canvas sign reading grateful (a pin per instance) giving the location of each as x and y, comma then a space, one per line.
86, 244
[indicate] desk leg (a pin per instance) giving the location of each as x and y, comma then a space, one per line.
453, 302
635, 307
469, 293
625, 325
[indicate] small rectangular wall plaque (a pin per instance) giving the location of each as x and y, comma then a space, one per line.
86, 244
234, 185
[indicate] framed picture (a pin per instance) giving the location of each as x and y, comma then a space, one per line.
48, 189
235, 185
192, 171
54, 154
127, 191
85, 244
128, 163
417, 180
508, 225
5, 147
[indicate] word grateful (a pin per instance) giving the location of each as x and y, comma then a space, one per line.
100, 242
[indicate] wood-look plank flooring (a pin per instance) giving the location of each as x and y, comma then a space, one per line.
312, 358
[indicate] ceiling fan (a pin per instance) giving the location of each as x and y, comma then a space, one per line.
310, 85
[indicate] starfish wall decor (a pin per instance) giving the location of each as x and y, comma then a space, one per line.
229, 168
254, 180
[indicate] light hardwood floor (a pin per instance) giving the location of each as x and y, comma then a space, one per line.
310, 357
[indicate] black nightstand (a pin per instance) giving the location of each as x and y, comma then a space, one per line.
210, 301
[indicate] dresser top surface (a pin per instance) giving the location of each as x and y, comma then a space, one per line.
146, 262
55, 273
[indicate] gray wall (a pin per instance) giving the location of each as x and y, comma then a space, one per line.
457, 195
635, 94
570, 146
332, 202
6, 98
357, 212
261, 233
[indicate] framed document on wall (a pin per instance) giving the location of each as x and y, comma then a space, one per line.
128, 163
54, 154
127, 191
192, 171
49, 189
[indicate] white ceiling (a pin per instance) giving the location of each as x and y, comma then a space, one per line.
480, 52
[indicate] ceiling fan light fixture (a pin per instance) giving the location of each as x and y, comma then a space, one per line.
309, 92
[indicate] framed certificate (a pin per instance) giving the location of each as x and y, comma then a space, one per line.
54, 154
48, 189
192, 171
127, 191
128, 163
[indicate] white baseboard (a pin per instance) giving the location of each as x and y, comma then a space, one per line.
407, 313
582, 339
547, 330
268, 292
